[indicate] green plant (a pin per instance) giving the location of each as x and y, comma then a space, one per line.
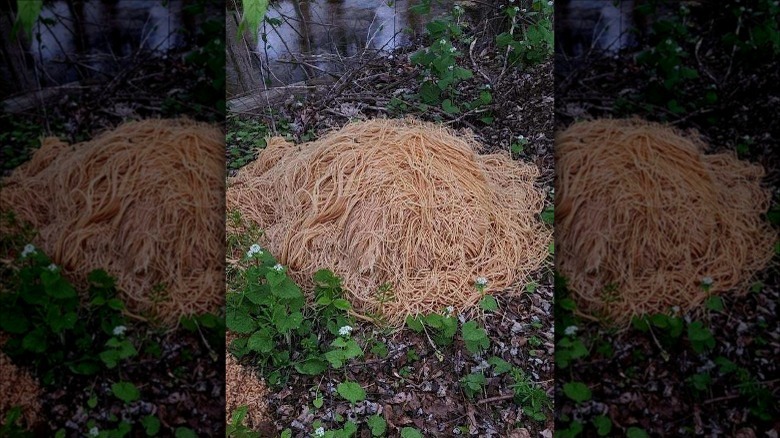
377, 425
473, 384
410, 432
125, 391
351, 391
636, 432
700, 337
603, 425
443, 327
577, 391
267, 310
51, 330
474, 337
529, 39
529, 395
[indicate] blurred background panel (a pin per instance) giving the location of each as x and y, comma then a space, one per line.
112, 218
666, 320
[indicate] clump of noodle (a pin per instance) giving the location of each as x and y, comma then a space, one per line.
643, 216
400, 203
18, 388
144, 202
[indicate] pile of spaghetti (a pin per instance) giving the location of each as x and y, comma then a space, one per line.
18, 389
407, 213
143, 202
645, 221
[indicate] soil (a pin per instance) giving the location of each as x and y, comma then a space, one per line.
637, 382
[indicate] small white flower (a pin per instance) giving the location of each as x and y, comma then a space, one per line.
450, 309
119, 330
442, 41
550, 3
451, 67
255, 248
94, 431
28, 249
482, 281
453, 49
278, 267
570, 330
320, 431
52, 267
707, 281
675, 309
517, 9
345, 331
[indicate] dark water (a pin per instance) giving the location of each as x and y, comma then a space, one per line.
604, 26
76, 40
319, 38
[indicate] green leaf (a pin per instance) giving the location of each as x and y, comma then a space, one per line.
603, 425
151, 425
35, 341
351, 391
125, 391
715, 303
292, 321
13, 322
27, 15
410, 432
342, 304
415, 323
239, 321
449, 107
635, 432
500, 366
56, 286
312, 366
474, 337
261, 341
254, 13
318, 402
377, 424
488, 303
577, 391
185, 432
286, 289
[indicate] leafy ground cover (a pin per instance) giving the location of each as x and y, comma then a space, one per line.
712, 372
487, 372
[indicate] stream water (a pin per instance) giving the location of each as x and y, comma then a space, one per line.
314, 39
77, 40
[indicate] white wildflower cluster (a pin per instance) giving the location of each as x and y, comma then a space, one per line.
482, 281
570, 330
254, 249
345, 331
94, 431
278, 267
707, 281
119, 330
320, 431
52, 267
449, 310
28, 249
